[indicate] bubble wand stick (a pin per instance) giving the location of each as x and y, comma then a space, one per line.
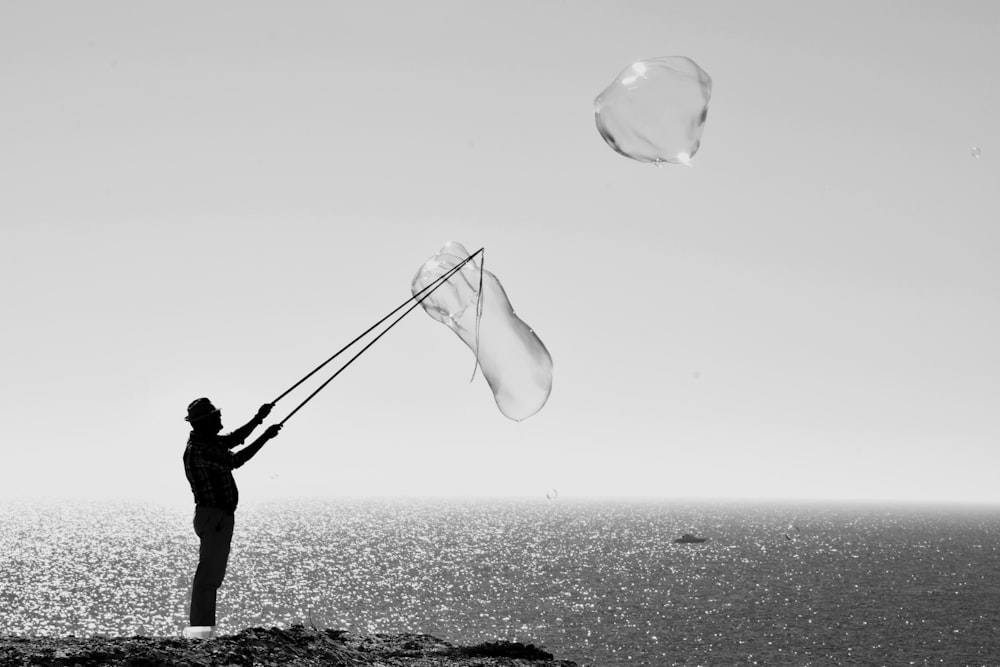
418, 297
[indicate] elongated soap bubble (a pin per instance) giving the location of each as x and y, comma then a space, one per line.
514, 360
655, 110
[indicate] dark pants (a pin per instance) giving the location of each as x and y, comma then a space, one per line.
214, 527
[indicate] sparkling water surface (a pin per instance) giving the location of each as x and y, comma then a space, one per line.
599, 582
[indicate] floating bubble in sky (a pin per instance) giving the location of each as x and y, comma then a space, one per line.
552, 494
976, 151
655, 110
514, 360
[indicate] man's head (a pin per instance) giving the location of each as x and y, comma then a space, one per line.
203, 416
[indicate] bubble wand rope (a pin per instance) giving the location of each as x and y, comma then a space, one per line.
479, 311
430, 288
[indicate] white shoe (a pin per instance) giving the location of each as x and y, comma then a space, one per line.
199, 632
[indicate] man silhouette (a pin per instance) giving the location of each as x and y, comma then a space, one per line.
209, 466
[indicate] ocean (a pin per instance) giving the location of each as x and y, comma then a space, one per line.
599, 582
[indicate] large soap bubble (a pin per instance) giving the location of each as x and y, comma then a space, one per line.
514, 360
655, 110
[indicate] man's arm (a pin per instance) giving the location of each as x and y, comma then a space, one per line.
247, 453
237, 437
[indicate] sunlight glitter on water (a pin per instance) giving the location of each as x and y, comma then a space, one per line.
598, 583
91, 568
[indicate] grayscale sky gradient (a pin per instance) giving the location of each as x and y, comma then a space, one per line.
210, 198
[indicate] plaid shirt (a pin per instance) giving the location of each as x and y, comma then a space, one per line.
209, 465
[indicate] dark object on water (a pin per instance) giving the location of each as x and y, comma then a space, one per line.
688, 538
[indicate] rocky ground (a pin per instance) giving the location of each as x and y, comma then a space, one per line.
297, 646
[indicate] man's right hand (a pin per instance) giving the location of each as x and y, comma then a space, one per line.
272, 431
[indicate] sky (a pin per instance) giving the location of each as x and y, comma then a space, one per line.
209, 199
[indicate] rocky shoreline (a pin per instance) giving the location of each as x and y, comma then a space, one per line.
297, 646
